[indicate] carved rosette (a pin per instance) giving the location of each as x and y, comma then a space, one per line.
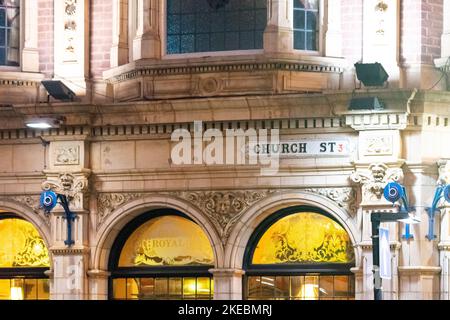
108, 202
224, 208
344, 197
374, 179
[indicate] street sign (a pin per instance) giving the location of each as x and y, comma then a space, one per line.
385, 255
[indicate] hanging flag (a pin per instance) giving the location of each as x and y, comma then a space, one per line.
385, 254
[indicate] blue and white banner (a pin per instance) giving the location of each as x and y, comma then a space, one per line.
385, 255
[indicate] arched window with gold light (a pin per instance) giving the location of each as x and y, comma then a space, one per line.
24, 258
300, 253
161, 255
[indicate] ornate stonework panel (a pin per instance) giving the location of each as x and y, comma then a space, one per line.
344, 197
378, 146
30, 201
67, 155
374, 179
224, 208
108, 202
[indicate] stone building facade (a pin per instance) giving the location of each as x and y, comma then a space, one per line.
143, 69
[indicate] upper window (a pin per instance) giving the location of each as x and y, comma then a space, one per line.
9, 32
306, 24
215, 25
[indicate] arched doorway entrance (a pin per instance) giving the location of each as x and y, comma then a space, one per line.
24, 258
299, 253
161, 254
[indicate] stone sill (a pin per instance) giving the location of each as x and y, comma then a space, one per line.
240, 57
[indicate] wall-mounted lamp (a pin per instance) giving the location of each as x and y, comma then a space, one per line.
44, 122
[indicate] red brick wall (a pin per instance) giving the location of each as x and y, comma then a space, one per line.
352, 30
421, 30
45, 36
101, 36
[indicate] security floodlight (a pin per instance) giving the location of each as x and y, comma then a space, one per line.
411, 219
371, 74
58, 90
366, 103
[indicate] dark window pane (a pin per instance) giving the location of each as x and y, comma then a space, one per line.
2, 37
187, 43
299, 40
299, 4
232, 41
217, 41
2, 17
311, 41
202, 42
188, 23
173, 44
215, 29
2, 56
299, 19
173, 24
311, 20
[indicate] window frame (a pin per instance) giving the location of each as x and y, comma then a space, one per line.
294, 269
320, 34
149, 271
18, 68
172, 56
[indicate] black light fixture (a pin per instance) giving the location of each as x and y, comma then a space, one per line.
58, 90
371, 74
366, 103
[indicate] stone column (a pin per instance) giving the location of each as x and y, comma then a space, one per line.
333, 29
279, 33
30, 51
228, 284
71, 31
67, 175
119, 50
444, 243
147, 42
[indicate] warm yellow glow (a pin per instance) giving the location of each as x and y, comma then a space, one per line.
167, 241
16, 293
310, 292
304, 238
21, 245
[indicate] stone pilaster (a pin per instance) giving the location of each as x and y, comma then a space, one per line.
279, 33
119, 50
147, 42
98, 284
444, 244
333, 29
228, 284
71, 34
30, 51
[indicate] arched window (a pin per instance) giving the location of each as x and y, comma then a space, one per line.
300, 253
23, 260
215, 25
161, 255
306, 24
9, 32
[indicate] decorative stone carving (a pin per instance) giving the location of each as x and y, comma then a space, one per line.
444, 171
224, 208
375, 179
67, 155
70, 29
108, 202
344, 197
32, 202
379, 145
67, 184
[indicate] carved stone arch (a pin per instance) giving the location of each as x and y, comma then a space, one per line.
120, 217
27, 213
243, 230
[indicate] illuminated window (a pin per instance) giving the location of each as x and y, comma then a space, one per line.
9, 32
215, 25
306, 24
23, 260
162, 255
300, 254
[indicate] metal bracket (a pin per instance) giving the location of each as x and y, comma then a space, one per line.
70, 218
